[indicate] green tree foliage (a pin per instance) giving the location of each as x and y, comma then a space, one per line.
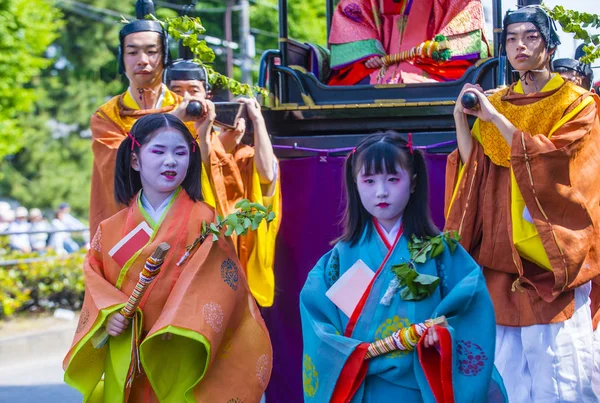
27, 27
55, 162
188, 30
306, 22
578, 24
44, 284
51, 169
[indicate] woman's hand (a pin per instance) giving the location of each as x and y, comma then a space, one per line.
431, 338
374, 63
116, 324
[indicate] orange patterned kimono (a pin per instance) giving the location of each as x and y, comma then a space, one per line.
230, 178
219, 349
109, 126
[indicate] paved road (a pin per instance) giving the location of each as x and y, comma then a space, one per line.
35, 382
31, 371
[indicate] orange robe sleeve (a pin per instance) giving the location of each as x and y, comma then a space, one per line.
84, 365
106, 138
225, 177
100, 294
462, 191
558, 178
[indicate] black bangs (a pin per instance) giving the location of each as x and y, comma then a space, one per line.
381, 153
381, 157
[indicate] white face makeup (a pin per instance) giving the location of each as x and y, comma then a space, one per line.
385, 195
162, 163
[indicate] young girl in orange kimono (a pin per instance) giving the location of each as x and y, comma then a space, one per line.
199, 336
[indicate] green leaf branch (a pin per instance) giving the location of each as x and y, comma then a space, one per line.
248, 217
189, 29
419, 286
577, 23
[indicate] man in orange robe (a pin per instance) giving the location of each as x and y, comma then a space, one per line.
522, 190
142, 58
201, 336
235, 171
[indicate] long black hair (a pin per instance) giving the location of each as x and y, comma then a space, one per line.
379, 153
127, 179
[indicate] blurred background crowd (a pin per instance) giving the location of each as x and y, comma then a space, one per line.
33, 231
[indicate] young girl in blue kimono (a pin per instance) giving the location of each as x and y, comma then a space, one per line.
387, 345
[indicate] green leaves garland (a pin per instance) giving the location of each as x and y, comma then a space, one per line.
188, 29
416, 286
248, 217
419, 286
576, 22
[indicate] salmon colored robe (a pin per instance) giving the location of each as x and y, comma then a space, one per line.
557, 176
109, 126
233, 177
220, 349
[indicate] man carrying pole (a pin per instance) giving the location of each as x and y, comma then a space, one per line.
522, 190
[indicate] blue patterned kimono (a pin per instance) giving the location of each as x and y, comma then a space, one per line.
461, 296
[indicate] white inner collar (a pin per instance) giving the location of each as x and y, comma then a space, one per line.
156, 214
159, 100
391, 236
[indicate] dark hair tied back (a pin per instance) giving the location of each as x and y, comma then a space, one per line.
127, 179
380, 153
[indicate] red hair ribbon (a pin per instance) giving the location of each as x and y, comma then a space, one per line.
134, 142
194, 141
351, 153
409, 143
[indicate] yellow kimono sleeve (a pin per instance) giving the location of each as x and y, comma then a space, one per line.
261, 278
526, 238
174, 366
207, 192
